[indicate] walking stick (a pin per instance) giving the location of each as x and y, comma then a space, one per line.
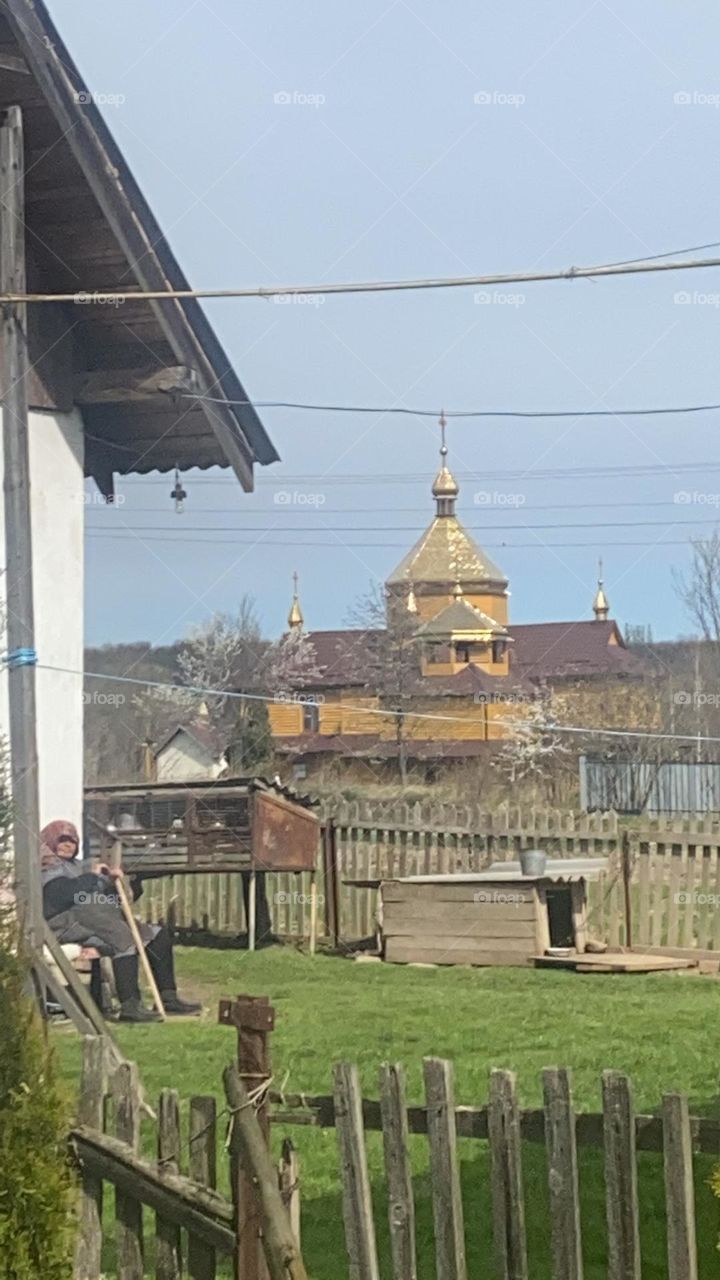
132, 926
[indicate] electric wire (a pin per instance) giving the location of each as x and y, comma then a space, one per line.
206, 691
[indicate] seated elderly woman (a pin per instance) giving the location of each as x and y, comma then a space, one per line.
80, 905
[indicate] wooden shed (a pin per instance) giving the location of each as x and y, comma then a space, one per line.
498, 916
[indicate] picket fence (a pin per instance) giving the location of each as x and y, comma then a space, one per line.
674, 871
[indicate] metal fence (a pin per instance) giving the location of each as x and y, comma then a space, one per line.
633, 786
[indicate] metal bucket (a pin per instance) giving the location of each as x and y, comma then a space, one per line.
532, 862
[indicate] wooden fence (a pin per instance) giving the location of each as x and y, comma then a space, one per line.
194, 1225
675, 870
618, 1131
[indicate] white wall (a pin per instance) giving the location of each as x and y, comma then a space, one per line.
57, 508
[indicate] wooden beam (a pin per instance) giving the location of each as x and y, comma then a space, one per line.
113, 386
11, 62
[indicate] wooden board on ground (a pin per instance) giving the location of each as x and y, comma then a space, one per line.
615, 962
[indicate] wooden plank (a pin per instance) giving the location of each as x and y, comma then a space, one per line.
128, 1209
658, 895
93, 1083
289, 1185
102, 386
506, 1178
444, 1170
679, 1189
448, 941
461, 926
202, 1169
508, 891
174, 1197
642, 937
406, 951
705, 853
563, 1187
472, 915
357, 1202
676, 868
398, 1173
168, 1256
620, 1178
687, 906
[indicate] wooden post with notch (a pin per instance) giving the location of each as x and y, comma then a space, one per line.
20, 618
253, 1018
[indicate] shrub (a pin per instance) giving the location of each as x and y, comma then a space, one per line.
36, 1183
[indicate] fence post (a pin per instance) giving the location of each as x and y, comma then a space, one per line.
128, 1210
254, 1018
91, 1108
202, 1169
679, 1190
620, 1178
168, 1256
444, 1170
330, 876
506, 1178
401, 1207
289, 1184
249, 1148
562, 1168
357, 1204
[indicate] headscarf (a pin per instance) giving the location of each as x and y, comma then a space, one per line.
50, 837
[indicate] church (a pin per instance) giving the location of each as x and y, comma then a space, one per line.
444, 674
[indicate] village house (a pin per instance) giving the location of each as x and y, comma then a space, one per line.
449, 674
111, 383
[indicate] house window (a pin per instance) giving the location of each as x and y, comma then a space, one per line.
311, 717
498, 650
462, 653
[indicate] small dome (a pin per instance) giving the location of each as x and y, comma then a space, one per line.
445, 485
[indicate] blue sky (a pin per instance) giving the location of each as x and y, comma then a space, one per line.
384, 165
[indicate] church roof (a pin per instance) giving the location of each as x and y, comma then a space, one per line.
460, 616
445, 553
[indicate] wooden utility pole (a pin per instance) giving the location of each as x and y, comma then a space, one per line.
18, 536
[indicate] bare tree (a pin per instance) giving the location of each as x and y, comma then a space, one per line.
387, 661
537, 750
700, 589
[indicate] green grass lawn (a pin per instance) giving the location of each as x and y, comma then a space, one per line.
660, 1029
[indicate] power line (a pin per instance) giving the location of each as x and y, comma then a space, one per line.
377, 546
455, 413
207, 692
419, 509
642, 267
413, 528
